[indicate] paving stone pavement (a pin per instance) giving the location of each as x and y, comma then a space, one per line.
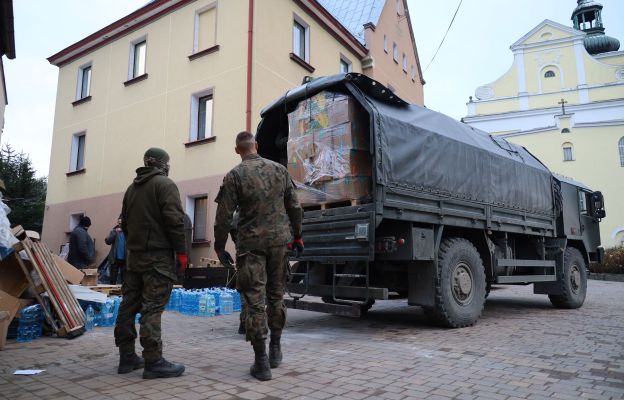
522, 348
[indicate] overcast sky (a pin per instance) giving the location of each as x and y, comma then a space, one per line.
476, 52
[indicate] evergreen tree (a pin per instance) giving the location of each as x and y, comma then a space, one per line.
25, 194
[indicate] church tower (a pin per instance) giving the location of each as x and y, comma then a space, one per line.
587, 17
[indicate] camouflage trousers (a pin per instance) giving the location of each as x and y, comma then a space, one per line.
262, 275
146, 290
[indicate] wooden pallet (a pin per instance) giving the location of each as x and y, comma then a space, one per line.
109, 290
331, 204
71, 317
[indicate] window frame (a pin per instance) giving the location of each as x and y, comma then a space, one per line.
413, 73
306, 38
132, 57
204, 235
404, 63
385, 44
550, 74
191, 201
195, 110
621, 150
568, 146
76, 152
196, 29
344, 60
80, 81
395, 52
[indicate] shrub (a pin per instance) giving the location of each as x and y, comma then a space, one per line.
613, 262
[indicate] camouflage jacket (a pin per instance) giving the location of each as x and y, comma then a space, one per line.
269, 210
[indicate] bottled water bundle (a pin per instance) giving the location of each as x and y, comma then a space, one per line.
204, 302
30, 320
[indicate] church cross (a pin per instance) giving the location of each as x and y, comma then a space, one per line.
563, 103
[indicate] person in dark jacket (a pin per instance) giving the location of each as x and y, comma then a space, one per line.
117, 254
152, 220
81, 249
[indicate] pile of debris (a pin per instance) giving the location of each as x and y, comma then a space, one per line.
30, 273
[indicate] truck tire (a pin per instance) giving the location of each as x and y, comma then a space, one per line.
460, 285
574, 282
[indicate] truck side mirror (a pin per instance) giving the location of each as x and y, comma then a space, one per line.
597, 202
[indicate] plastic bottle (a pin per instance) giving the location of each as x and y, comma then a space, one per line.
137, 319
212, 305
25, 327
177, 301
116, 303
203, 305
90, 318
226, 303
108, 312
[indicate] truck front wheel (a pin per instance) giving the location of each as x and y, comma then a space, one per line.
460, 285
574, 282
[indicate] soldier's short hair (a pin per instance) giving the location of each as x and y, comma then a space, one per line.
245, 140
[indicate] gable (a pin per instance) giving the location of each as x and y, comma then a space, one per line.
546, 32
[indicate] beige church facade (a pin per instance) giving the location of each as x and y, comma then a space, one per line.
563, 99
187, 76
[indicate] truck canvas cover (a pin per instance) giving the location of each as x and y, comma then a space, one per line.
418, 149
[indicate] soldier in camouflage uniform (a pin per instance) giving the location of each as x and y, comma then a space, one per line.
270, 216
153, 222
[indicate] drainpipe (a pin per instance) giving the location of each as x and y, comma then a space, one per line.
249, 64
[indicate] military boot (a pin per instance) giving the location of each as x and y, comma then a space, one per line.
128, 362
275, 352
261, 369
162, 369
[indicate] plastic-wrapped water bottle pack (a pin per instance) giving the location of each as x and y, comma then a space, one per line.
204, 302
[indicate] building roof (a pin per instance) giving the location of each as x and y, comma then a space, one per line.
353, 14
7, 36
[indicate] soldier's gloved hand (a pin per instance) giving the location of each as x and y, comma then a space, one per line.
183, 260
297, 245
225, 258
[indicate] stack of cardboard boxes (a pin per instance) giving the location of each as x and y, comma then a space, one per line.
328, 149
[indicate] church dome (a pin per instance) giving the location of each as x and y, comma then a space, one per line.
596, 44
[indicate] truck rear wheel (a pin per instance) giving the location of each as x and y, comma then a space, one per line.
460, 285
574, 282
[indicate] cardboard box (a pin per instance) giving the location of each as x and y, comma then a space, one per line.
350, 188
90, 277
324, 110
5, 320
8, 303
71, 274
12, 279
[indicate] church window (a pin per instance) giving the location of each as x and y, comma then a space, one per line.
549, 74
621, 148
568, 154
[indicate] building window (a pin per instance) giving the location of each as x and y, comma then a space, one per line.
200, 218
205, 29
412, 74
301, 39
74, 220
395, 53
77, 155
549, 74
138, 51
565, 130
385, 43
84, 82
404, 63
568, 153
201, 117
398, 7
345, 65
621, 149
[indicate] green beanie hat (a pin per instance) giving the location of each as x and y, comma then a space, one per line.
157, 154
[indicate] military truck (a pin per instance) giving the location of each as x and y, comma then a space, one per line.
452, 211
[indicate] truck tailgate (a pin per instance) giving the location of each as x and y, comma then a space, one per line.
339, 234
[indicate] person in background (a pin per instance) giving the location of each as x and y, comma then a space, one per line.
270, 217
81, 248
117, 254
153, 223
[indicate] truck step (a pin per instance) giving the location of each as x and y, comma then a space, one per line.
525, 278
345, 310
503, 262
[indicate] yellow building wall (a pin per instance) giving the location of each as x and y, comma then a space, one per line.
497, 106
385, 69
546, 33
596, 164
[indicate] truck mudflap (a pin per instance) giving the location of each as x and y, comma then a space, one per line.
339, 234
